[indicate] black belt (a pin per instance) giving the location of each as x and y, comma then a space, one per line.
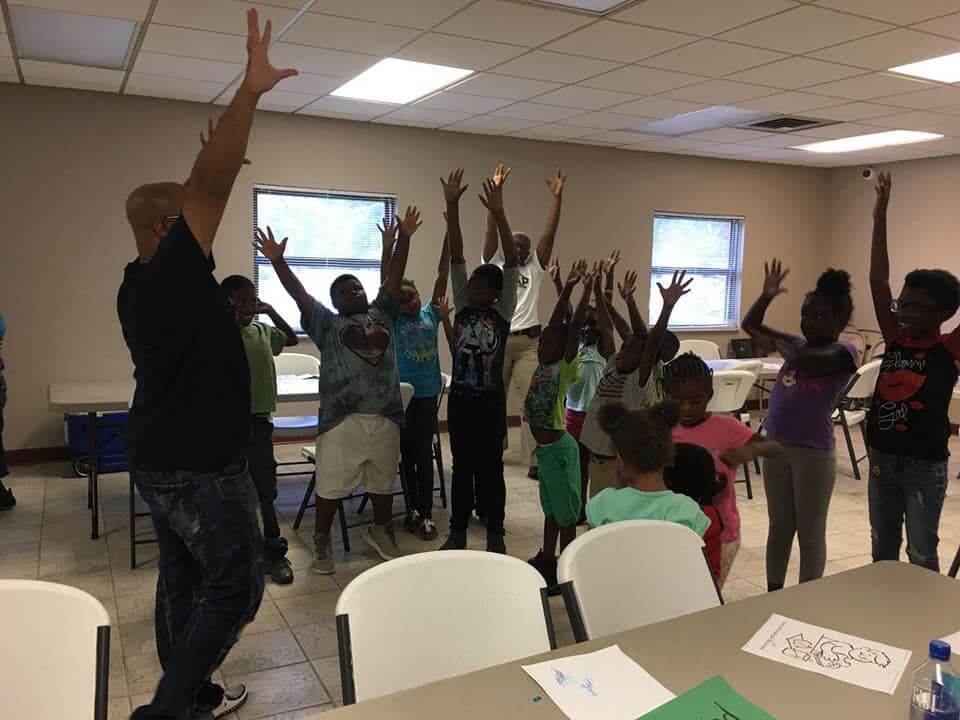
530, 332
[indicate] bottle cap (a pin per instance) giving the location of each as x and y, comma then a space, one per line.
939, 650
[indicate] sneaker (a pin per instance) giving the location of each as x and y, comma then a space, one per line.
382, 540
456, 540
427, 530
412, 522
533, 473
495, 543
7, 500
322, 556
546, 566
280, 571
233, 699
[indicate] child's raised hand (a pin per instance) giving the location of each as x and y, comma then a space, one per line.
500, 174
610, 264
267, 245
443, 307
453, 186
629, 285
577, 271
553, 269
556, 184
677, 288
410, 223
884, 183
492, 197
773, 277
388, 233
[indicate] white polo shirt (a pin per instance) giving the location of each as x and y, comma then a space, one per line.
527, 313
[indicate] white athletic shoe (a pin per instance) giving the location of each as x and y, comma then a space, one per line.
233, 699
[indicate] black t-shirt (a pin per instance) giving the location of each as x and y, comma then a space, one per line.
480, 342
191, 408
908, 416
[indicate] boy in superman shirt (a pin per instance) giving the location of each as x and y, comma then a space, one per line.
908, 426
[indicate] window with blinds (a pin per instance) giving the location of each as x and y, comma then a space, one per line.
330, 233
710, 249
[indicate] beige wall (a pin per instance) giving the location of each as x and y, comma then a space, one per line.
922, 224
70, 158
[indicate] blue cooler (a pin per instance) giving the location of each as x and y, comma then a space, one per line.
109, 442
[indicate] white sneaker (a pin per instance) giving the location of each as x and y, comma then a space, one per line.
322, 555
233, 699
382, 540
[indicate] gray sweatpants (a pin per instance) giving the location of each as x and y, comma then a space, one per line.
798, 485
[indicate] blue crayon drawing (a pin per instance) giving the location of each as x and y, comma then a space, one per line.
587, 685
562, 678
568, 680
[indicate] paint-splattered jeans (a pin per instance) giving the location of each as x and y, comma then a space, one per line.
905, 488
211, 577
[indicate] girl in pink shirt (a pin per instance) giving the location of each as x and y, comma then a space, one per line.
689, 382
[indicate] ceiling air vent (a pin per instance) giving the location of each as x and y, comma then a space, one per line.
785, 124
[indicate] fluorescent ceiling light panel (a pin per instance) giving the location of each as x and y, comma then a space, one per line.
706, 119
65, 37
594, 6
399, 81
866, 142
945, 68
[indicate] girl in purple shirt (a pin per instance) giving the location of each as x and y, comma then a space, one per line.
816, 369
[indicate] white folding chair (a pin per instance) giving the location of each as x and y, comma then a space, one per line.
55, 663
857, 338
731, 388
878, 351
704, 349
633, 573
470, 609
309, 455
293, 425
852, 407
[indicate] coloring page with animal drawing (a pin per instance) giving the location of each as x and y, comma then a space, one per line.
867, 663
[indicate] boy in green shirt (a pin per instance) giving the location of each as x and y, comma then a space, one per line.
558, 455
262, 342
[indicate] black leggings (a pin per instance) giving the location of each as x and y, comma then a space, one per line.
477, 425
416, 448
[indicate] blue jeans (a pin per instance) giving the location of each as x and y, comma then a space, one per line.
210, 582
904, 488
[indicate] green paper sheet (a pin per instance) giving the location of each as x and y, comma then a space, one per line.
711, 700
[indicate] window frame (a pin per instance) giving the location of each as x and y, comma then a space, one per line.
733, 274
305, 261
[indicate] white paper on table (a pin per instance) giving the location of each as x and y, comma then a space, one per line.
954, 641
851, 659
602, 685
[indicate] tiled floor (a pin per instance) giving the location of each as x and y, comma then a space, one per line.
287, 657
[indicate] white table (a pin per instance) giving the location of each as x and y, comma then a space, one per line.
95, 397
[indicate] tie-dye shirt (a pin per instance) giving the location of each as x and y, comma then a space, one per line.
358, 364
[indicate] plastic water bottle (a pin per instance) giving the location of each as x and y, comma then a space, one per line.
935, 685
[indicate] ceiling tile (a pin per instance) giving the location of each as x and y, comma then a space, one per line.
831, 132
458, 52
187, 68
732, 149
320, 61
795, 72
554, 132
790, 102
555, 67
5, 50
948, 25
351, 35
917, 120
592, 141
926, 99
195, 43
855, 111
701, 17
421, 14
712, 58
720, 92
658, 107
899, 12
887, 50
641, 80
585, 98
619, 41
502, 86
226, 16
276, 100
616, 137
36, 72
342, 106
803, 29
945, 145
532, 111
512, 23
461, 102
774, 140
726, 135
176, 88
869, 87
311, 84
492, 125
673, 143
426, 116
603, 121
125, 9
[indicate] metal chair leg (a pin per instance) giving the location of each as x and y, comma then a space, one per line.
853, 454
133, 528
746, 477
305, 503
955, 566
438, 456
344, 530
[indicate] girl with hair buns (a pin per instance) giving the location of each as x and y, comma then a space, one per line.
817, 367
643, 445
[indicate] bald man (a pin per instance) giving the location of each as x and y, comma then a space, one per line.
520, 361
189, 423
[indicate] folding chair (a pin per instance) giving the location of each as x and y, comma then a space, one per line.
852, 407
